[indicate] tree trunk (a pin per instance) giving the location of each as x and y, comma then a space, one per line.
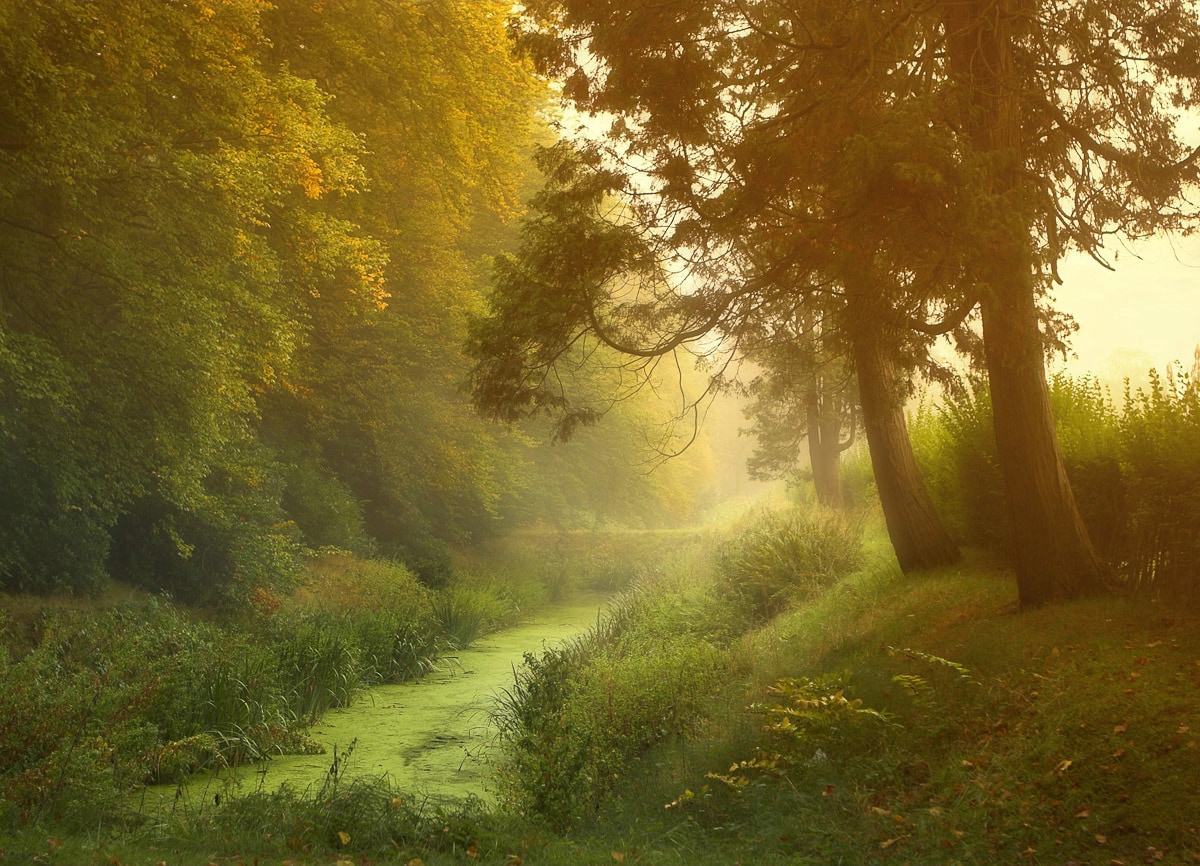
824, 451
918, 535
1054, 558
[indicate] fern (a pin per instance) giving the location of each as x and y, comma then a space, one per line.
961, 672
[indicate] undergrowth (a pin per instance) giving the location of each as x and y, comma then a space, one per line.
887, 719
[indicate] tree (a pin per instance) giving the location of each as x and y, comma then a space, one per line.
1076, 105
446, 115
584, 280
152, 170
1035, 127
804, 394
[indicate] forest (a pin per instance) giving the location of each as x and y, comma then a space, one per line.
591, 431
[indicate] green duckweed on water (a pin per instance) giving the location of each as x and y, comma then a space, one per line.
428, 736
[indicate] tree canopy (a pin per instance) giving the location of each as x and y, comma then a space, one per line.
920, 163
239, 246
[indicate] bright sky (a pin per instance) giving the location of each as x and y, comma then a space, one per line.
1146, 313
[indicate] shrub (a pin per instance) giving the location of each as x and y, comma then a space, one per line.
467, 614
956, 450
55, 507
577, 719
104, 702
781, 557
1161, 456
323, 506
1135, 474
580, 715
214, 545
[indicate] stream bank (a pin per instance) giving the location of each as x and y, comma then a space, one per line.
429, 737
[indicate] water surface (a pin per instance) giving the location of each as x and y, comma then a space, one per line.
428, 737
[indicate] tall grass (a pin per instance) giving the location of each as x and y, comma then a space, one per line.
579, 717
1134, 470
99, 702
779, 558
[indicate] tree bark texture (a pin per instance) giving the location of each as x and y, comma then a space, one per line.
917, 533
1052, 554
1053, 557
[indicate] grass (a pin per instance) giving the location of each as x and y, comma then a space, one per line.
1067, 734
1075, 741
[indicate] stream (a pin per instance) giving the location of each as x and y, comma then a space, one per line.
429, 736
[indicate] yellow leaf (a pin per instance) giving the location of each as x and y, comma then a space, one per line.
1101, 838
1120, 729
618, 856
1063, 766
344, 837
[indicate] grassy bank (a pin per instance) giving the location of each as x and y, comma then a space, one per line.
108, 693
880, 719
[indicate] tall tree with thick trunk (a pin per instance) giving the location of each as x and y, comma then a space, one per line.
1016, 130
579, 281
917, 533
992, 61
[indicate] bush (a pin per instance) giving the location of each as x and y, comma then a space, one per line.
1135, 474
466, 614
579, 717
55, 507
956, 450
104, 702
215, 544
1161, 461
782, 557
323, 507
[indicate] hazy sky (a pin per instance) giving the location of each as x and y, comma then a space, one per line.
1149, 305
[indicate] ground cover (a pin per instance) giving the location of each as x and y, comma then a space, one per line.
884, 719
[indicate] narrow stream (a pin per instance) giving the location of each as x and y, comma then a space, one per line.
427, 737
